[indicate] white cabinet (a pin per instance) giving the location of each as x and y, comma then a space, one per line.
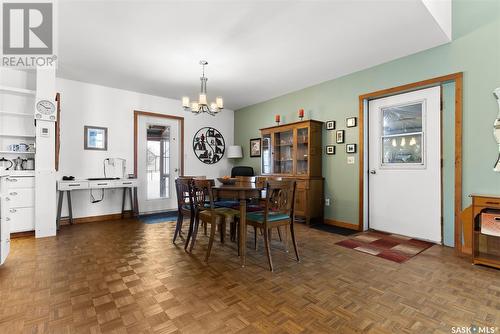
4, 221
21, 199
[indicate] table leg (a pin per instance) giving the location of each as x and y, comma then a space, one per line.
59, 208
70, 207
243, 229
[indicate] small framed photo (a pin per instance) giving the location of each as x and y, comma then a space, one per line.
330, 149
255, 147
351, 122
330, 125
96, 138
350, 148
339, 136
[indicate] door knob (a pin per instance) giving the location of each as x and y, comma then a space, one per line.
373, 171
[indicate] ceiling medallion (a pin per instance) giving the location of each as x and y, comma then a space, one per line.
202, 106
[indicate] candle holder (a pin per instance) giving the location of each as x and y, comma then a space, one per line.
277, 119
301, 114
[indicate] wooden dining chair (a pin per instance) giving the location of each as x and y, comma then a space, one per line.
279, 211
185, 207
206, 212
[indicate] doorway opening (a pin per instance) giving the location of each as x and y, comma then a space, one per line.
158, 159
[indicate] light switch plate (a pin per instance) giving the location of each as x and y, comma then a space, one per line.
350, 160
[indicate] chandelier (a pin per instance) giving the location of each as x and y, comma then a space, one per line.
201, 106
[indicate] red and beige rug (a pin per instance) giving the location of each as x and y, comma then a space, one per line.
385, 245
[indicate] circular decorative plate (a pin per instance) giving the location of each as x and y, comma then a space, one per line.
209, 145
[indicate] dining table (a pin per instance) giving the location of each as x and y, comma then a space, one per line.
242, 191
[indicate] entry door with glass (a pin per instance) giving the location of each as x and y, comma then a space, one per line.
404, 155
158, 163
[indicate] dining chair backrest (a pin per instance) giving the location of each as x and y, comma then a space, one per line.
280, 197
183, 187
203, 194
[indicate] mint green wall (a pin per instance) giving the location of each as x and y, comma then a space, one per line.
475, 50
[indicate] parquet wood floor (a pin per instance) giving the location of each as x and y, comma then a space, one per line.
128, 277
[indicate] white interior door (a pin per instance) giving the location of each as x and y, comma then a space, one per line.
404, 160
158, 163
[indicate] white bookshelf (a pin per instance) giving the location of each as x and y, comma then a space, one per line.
16, 90
15, 114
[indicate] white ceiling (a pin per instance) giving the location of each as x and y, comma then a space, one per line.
256, 50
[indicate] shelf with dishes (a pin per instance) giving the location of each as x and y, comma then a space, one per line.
17, 152
17, 135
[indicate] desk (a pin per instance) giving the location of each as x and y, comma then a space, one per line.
69, 186
242, 192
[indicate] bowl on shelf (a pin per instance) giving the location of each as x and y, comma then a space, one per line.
227, 180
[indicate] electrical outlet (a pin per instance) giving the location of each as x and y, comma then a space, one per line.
327, 201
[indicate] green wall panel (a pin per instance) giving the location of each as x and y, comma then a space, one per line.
475, 50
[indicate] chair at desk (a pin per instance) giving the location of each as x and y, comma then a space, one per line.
242, 171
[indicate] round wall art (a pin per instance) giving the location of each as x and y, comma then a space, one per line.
209, 145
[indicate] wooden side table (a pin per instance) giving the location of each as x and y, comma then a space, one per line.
485, 248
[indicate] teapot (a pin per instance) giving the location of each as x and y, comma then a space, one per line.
5, 164
18, 163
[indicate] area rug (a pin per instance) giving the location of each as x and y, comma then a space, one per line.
385, 245
162, 217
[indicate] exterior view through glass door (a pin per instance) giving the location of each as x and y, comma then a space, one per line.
158, 163
404, 158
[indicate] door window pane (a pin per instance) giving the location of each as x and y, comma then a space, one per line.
403, 119
158, 162
402, 149
402, 135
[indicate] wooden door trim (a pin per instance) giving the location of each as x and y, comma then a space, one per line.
438, 81
138, 113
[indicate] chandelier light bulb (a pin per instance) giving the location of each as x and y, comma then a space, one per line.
220, 102
202, 100
185, 101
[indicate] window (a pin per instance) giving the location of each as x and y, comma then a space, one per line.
403, 136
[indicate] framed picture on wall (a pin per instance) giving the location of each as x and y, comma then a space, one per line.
350, 148
95, 138
330, 125
255, 147
339, 137
351, 122
330, 149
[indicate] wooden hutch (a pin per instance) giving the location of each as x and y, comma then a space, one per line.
294, 151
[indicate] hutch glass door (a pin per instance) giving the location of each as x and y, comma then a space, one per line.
302, 151
283, 152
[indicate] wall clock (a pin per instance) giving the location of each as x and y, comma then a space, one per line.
46, 110
209, 145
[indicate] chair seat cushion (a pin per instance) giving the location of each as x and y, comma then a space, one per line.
272, 217
220, 213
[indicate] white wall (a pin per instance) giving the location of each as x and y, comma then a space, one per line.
89, 104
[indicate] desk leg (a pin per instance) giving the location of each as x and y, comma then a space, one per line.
132, 209
124, 197
243, 229
136, 203
59, 209
70, 207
